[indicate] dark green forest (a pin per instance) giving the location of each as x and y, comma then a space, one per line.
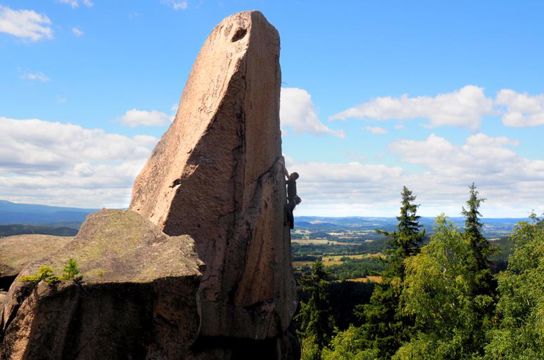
17, 229
448, 295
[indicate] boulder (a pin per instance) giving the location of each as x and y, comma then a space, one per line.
218, 175
136, 300
199, 267
19, 250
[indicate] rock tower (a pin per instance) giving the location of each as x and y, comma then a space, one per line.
203, 254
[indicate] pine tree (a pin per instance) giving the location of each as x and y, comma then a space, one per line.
473, 229
407, 238
315, 319
484, 284
384, 327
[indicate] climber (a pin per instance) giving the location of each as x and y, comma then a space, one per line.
289, 207
292, 186
292, 198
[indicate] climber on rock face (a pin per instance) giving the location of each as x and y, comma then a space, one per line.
292, 198
289, 211
292, 186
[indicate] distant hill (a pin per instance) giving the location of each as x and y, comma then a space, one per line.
493, 227
17, 229
30, 214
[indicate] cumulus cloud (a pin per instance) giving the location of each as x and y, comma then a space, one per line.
509, 180
26, 24
176, 4
75, 3
135, 117
462, 108
297, 112
346, 189
35, 76
56, 163
77, 32
521, 109
376, 130
438, 172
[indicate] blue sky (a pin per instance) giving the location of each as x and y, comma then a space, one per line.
375, 95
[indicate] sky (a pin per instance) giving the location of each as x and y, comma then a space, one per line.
376, 95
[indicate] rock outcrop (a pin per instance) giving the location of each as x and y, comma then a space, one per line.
217, 175
215, 181
19, 250
137, 298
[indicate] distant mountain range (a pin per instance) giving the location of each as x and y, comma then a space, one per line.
31, 214
54, 216
492, 226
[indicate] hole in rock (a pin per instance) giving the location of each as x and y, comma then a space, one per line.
6, 281
240, 33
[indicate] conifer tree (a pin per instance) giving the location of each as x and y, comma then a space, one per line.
473, 229
406, 240
315, 319
384, 328
484, 284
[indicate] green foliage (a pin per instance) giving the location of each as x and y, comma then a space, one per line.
385, 328
316, 324
349, 344
407, 239
355, 268
519, 333
45, 273
439, 294
408, 235
473, 228
71, 271
310, 350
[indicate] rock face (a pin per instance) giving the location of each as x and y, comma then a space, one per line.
19, 250
217, 175
215, 181
137, 299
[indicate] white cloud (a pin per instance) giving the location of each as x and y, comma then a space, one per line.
521, 109
56, 163
376, 130
438, 172
36, 76
77, 32
26, 24
75, 3
509, 180
136, 117
463, 108
297, 111
346, 189
176, 4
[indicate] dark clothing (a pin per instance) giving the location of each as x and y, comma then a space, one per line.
289, 213
291, 189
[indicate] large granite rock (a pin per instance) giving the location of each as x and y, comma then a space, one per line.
19, 250
137, 299
217, 175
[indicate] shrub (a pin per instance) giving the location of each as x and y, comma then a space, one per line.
45, 273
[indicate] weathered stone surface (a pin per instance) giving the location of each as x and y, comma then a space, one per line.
137, 299
217, 175
20, 250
